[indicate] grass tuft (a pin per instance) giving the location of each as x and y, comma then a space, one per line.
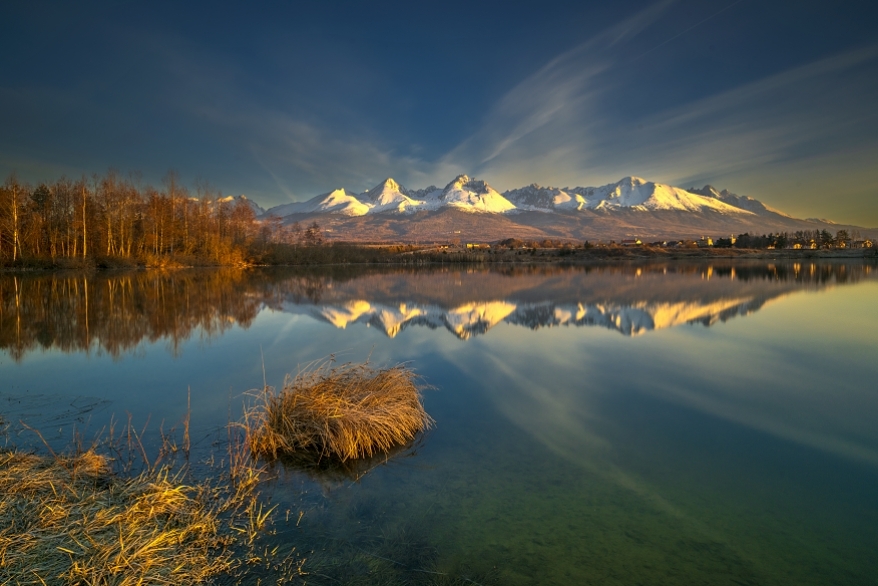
341, 412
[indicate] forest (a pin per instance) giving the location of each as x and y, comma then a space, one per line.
117, 220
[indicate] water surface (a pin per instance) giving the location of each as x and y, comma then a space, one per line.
634, 424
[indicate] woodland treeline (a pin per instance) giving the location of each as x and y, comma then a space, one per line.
115, 219
800, 238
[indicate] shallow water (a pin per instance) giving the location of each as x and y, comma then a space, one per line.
634, 424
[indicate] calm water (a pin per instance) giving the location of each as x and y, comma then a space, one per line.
652, 424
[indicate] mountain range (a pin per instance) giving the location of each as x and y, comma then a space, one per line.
470, 208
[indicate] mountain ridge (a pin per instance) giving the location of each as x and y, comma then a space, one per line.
476, 195
469, 208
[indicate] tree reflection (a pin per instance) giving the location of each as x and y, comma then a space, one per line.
114, 312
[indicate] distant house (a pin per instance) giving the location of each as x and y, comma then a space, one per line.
705, 242
632, 242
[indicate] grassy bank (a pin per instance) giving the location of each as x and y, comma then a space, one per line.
352, 254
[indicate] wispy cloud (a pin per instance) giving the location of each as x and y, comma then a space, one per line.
549, 120
779, 138
557, 127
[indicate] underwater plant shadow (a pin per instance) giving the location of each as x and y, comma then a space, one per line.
330, 471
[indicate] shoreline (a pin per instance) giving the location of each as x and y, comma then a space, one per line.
431, 256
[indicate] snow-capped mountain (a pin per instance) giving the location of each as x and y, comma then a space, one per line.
639, 194
389, 196
474, 195
233, 199
740, 201
545, 199
340, 201
469, 208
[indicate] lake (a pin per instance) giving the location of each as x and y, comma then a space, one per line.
656, 423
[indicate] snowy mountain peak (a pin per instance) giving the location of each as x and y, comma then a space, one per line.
545, 199
389, 185
458, 182
389, 196
474, 195
386, 187
234, 199
638, 194
743, 202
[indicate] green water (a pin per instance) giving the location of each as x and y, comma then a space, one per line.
654, 424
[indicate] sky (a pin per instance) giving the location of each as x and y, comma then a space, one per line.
282, 101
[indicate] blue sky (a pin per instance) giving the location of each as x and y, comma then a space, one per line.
284, 100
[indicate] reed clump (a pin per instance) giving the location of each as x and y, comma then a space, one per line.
67, 519
341, 412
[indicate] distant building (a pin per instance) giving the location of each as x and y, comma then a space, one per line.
632, 242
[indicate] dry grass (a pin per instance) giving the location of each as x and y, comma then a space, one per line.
343, 412
69, 520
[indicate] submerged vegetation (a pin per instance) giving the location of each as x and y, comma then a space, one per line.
341, 412
70, 520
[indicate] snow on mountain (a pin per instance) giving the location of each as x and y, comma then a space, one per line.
631, 193
471, 195
475, 195
233, 199
339, 201
639, 194
544, 199
389, 196
431, 192
739, 201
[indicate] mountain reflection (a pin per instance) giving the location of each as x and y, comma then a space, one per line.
630, 299
114, 313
